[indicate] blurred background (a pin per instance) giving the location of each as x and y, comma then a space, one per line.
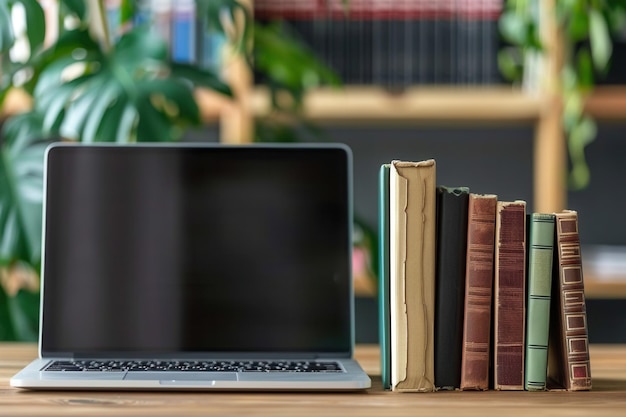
523, 99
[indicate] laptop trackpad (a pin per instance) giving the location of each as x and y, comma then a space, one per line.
165, 377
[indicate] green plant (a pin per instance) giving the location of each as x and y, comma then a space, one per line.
90, 85
584, 28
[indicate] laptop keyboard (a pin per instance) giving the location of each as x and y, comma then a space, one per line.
192, 366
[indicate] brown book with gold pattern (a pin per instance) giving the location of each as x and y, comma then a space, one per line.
509, 296
569, 366
478, 291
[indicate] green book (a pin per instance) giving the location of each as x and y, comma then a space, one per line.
540, 248
383, 275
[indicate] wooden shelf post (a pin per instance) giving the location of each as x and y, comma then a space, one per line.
550, 150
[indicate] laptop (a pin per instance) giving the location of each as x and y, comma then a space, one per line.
196, 267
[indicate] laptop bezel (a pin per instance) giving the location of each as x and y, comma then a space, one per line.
43, 354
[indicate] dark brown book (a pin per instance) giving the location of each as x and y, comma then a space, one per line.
478, 292
509, 296
569, 367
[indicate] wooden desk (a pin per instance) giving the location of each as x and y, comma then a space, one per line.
608, 397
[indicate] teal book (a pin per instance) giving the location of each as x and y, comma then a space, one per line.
383, 276
540, 254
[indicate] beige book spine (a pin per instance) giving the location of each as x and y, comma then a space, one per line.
412, 274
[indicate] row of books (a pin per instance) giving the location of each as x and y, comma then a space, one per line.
477, 293
397, 43
190, 37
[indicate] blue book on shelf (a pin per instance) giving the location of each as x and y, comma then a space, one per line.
184, 32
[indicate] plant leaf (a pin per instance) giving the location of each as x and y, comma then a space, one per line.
6, 324
7, 36
288, 62
584, 67
108, 94
178, 103
200, 77
581, 135
23, 309
510, 64
21, 179
600, 39
513, 27
213, 11
139, 47
78, 7
35, 24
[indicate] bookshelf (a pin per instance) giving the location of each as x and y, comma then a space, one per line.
425, 105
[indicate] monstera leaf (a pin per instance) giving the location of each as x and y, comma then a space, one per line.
130, 93
21, 182
35, 24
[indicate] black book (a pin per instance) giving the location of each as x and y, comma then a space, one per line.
452, 211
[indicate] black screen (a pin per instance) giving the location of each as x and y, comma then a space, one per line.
197, 249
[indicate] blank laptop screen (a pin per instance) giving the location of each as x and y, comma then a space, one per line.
197, 249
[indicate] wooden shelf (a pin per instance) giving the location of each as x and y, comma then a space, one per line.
604, 271
370, 104
601, 287
608, 103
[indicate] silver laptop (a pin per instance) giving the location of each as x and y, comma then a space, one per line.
196, 267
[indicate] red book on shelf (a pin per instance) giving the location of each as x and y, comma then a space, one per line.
478, 292
569, 367
509, 296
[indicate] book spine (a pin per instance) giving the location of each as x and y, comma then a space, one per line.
450, 284
540, 232
383, 274
184, 31
510, 295
412, 274
568, 352
478, 292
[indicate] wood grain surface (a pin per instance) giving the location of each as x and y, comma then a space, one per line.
608, 397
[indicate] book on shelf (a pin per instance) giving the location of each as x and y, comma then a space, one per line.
540, 240
478, 292
568, 348
452, 204
509, 305
397, 44
191, 38
383, 275
412, 225
184, 33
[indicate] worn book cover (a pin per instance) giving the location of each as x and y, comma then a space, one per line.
412, 225
509, 295
568, 348
478, 292
540, 239
452, 203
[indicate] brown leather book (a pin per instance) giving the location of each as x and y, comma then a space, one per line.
412, 225
569, 367
509, 296
478, 291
